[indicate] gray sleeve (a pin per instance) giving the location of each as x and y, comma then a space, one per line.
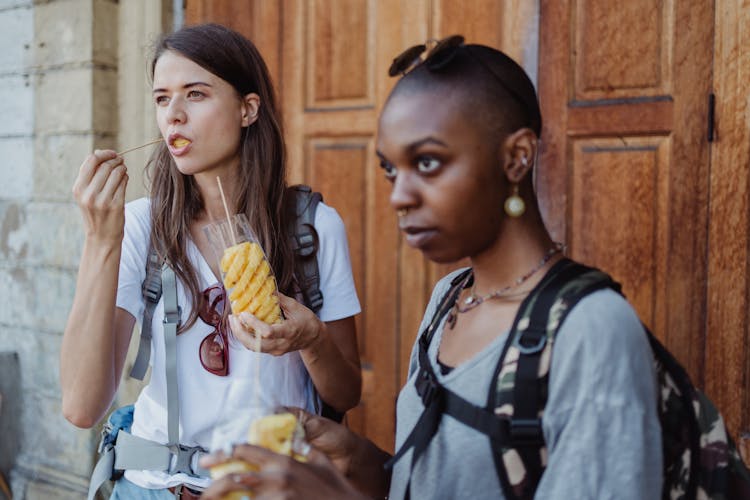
601, 424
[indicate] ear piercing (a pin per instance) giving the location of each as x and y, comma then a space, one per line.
402, 212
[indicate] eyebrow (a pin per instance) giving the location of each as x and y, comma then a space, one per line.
426, 140
417, 144
186, 86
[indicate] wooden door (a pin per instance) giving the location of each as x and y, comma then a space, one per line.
626, 173
329, 60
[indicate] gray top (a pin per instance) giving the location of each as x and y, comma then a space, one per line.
600, 423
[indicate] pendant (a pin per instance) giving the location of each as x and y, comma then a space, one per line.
470, 300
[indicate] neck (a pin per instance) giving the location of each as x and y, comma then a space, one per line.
213, 204
519, 249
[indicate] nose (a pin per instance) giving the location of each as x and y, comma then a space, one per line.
403, 193
176, 111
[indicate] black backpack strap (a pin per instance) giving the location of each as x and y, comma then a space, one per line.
304, 240
151, 289
304, 202
435, 398
519, 394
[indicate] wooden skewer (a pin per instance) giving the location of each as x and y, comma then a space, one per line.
226, 210
141, 146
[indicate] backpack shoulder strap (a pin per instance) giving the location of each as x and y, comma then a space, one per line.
519, 393
151, 289
305, 244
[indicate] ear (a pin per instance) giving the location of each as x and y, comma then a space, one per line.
519, 152
250, 107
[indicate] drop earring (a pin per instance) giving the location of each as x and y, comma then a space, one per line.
514, 204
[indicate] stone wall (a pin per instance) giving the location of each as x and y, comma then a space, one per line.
67, 68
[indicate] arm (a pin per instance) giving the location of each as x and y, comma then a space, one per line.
333, 363
329, 350
97, 334
337, 454
280, 476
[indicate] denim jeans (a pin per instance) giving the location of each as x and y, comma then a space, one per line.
125, 490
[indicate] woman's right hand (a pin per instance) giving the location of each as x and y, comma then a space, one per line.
99, 191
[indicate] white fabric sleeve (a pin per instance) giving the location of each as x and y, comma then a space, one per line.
133, 258
601, 423
334, 265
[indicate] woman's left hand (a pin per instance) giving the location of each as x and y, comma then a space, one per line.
300, 330
280, 477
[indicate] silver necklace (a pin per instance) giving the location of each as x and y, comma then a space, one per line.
475, 300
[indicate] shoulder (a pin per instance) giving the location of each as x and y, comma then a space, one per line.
137, 228
328, 221
444, 283
138, 211
603, 316
602, 353
438, 292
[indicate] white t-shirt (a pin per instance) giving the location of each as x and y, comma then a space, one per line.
202, 395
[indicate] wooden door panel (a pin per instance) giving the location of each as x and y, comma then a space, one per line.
633, 76
337, 167
622, 49
257, 19
339, 66
627, 176
727, 334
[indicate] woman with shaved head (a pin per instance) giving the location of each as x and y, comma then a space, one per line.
458, 139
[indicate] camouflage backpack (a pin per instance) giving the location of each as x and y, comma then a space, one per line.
700, 459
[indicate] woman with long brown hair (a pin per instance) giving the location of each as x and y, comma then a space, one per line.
216, 111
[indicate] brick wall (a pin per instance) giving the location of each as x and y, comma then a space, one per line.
62, 78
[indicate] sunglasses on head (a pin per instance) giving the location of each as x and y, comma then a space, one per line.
214, 348
438, 56
444, 51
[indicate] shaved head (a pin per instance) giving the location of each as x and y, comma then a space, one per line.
491, 90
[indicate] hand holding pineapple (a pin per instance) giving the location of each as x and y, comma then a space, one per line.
301, 329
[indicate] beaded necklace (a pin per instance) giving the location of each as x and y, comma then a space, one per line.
475, 300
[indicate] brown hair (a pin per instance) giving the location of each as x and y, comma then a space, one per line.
261, 182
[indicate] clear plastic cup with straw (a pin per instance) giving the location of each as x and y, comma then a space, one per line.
245, 270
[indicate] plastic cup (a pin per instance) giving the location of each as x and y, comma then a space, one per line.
245, 270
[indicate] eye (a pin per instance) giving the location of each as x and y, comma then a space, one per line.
195, 94
161, 100
389, 169
428, 164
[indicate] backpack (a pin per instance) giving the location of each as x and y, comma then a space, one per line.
700, 458
119, 450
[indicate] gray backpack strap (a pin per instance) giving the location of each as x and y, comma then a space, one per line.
127, 451
151, 293
305, 244
103, 470
171, 323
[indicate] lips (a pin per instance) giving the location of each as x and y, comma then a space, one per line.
178, 144
417, 236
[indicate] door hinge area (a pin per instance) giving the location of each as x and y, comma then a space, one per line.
711, 116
